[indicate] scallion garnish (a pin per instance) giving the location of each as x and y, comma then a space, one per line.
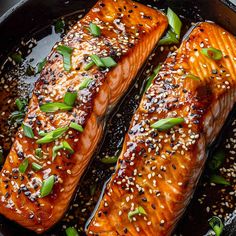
167, 123
217, 225
28, 132
169, 38
47, 186
67, 147
89, 65
212, 53
85, 83
191, 76
70, 98
174, 22
138, 211
64, 145
109, 160
59, 26
17, 57
217, 179
53, 135
71, 231
30, 71
151, 77
108, 62
23, 166
94, 30
36, 166
17, 117
97, 60
41, 64
39, 153
42, 133
216, 161
76, 126
66, 52
21, 104
55, 106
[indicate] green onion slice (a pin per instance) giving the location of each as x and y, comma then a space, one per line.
217, 225
67, 147
41, 64
109, 160
212, 53
70, 98
167, 123
97, 60
139, 210
169, 38
17, 57
28, 132
39, 153
36, 166
174, 22
217, 179
17, 116
30, 70
108, 62
53, 135
71, 231
85, 83
76, 126
55, 106
66, 52
59, 26
21, 104
151, 77
191, 76
47, 186
64, 145
94, 30
89, 65
23, 166
217, 160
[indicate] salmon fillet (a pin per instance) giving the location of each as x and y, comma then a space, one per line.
129, 32
158, 168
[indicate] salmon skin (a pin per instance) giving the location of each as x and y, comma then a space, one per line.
39, 178
158, 167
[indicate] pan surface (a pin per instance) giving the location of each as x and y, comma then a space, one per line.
34, 34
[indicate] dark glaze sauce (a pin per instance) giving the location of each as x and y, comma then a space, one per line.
17, 84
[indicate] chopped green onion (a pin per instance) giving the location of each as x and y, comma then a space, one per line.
76, 126
53, 135
36, 166
217, 225
216, 161
108, 62
17, 57
66, 52
59, 26
212, 53
55, 149
169, 38
23, 166
28, 132
30, 71
55, 106
67, 147
167, 123
70, 98
85, 83
174, 22
21, 104
217, 179
137, 211
39, 152
17, 116
47, 186
71, 231
89, 65
109, 160
41, 64
94, 30
42, 133
191, 76
151, 77
97, 60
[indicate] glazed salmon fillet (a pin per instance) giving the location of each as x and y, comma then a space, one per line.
66, 113
164, 150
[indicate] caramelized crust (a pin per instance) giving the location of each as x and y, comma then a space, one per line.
129, 31
158, 170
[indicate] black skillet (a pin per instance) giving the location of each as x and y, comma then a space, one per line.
34, 17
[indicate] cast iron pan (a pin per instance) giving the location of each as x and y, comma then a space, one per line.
34, 18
